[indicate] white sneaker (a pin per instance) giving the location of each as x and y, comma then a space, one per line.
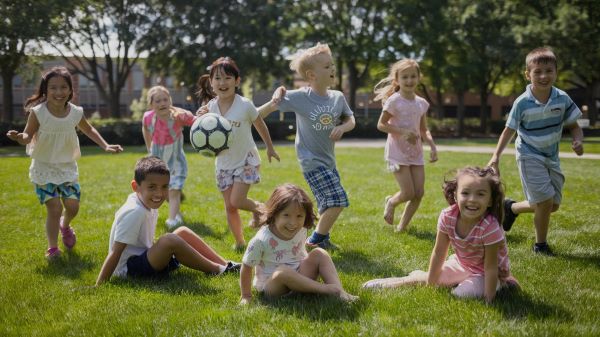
172, 223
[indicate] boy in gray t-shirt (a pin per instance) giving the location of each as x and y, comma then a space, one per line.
322, 117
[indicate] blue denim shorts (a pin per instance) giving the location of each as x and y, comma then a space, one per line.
64, 191
139, 266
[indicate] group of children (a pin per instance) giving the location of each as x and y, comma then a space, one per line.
474, 224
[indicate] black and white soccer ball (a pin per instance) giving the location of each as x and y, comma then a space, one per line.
210, 134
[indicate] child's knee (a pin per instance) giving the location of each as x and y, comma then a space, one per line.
319, 253
54, 207
169, 240
182, 230
281, 273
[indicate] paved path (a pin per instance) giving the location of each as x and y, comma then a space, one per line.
377, 143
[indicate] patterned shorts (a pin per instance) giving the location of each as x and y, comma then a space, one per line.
247, 174
63, 191
327, 188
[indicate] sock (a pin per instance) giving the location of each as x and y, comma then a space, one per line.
316, 237
541, 244
221, 269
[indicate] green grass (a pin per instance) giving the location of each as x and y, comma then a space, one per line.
560, 297
590, 144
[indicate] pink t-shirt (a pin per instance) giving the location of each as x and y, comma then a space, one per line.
405, 114
161, 134
470, 250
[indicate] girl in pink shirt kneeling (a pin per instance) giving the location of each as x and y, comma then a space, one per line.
479, 266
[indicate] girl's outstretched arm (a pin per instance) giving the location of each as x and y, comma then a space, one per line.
438, 256
246, 284
31, 128
263, 131
110, 263
93, 134
490, 265
272, 105
426, 135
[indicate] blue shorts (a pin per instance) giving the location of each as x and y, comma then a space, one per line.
63, 191
139, 266
541, 179
327, 188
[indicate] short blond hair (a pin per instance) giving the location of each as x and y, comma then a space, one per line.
303, 60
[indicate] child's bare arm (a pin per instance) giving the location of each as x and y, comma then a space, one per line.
110, 263
577, 134
438, 256
384, 126
147, 137
273, 104
263, 131
31, 128
95, 136
347, 125
505, 137
490, 264
246, 284
426, 135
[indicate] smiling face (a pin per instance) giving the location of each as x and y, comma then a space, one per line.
407, 80
161, 103
473, 196
289, 221
153, 190
224, 84
322, 72
541, 75
58, 91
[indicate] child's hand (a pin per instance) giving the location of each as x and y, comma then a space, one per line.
493, 163
202, 110
245, 300
337, 133
577, 147
272, 154
433, 155
14, 135
113, 148
278, 95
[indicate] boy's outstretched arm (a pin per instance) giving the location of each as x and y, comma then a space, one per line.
577, 134
246, 284
110, 263
505, 137
272, 105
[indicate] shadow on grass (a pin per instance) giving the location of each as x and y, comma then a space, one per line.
315, 307
514, 238
422, 235
175, 283
516, 304
353, 261
584, 261
203, 230
69, 264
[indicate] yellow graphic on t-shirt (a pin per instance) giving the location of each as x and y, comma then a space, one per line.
325, 119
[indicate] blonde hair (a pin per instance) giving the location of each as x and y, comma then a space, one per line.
386, 87
152, 92
303, 59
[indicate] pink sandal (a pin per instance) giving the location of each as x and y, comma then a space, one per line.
68, 235
53, 253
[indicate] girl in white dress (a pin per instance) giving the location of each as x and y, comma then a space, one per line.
53, 145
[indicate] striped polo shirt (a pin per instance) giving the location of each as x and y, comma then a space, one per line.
539, 125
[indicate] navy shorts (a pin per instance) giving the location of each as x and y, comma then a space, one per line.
327, 188
139, 266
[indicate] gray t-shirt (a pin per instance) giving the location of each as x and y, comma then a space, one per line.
316, 116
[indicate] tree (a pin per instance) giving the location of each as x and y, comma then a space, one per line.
22, 23
100, 42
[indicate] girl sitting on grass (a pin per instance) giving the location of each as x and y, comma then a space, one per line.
278, 253
479, 266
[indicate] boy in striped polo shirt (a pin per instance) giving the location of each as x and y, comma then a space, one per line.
538, 117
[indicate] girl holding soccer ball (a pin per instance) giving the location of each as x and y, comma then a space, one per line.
162, 128
237, 167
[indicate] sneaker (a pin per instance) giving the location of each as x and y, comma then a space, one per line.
542, 248
53, 253
172, 223
315, 239
233, 267
327, 245
68, 235
509, 215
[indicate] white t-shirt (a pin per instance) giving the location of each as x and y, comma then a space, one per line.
55, 147
241, 114
134, 225
266, 252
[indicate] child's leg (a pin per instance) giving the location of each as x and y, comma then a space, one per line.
199, 245
541, 219
405, 181
319, 263
472, 287
233, 218
71, 210
240, 200
417, 174
168, 245
415, 277
327, 219
54, 210
174, 203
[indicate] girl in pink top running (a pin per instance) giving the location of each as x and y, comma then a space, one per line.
162, 127
479, 266
404, 119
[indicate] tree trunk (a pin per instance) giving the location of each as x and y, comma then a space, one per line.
591, 102
460, 113
340, 67
483, 111
7, 95
440, 103
352, 83
115, 106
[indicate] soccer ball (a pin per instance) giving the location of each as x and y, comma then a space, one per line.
210, 134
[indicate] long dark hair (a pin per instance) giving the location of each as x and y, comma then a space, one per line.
225, 64
497, 188
42, 92
282, 196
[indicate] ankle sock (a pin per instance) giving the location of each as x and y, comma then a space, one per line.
222, 269
541, 244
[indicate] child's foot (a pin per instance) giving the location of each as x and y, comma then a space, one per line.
348, 298
53, 253
509, 215
68, 235
542, 248
255, 221
233, 267
374, 284
399, 229
511, 283
328, 245
172, 223
388, 211
239, 247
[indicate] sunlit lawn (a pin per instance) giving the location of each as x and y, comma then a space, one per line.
560, 297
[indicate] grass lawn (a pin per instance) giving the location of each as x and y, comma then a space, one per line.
560, 296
